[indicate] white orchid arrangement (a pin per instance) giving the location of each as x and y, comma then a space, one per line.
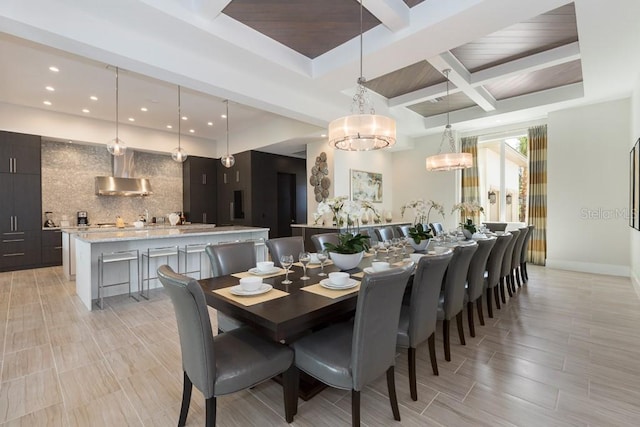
469, 211
345, 211
422, 210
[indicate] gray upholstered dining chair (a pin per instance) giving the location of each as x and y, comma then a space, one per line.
515, 259
475, 281
403, 230
496, 226
230, 362
352, 354
525, 254
285, 246
436, 227
494, 270
384, 233
452, 296
418, 318
229, 258
320, 239
505, 272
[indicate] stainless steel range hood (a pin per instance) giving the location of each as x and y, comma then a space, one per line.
122, 183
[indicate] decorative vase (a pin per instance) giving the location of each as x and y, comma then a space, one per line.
467, 233
346, 261
419, 246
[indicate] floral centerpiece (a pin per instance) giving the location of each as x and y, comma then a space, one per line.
422, 210
420, 234
344, 211
351, 246
470, 212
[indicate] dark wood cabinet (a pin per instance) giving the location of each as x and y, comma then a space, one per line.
20, 209
19, 153
199, 192
51, 247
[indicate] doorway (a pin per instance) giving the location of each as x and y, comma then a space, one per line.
286, 203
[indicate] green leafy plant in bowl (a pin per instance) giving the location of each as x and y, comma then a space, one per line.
418, 233
349, 243
469, 226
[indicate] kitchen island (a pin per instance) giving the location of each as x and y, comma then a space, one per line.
90, 244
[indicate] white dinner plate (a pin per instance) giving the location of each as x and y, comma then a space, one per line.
326, 283
237, 290
257, 272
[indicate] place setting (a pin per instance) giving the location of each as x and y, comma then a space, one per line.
337, 284
251, 290
263, 269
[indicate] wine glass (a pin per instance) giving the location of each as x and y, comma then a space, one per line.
304, 258
322, 257
375, 249
286, 261
387, 246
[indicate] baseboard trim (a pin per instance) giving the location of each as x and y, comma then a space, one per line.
586, 267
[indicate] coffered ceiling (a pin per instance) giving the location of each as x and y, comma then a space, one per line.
295, 62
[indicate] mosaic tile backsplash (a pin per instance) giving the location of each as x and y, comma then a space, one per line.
68, 184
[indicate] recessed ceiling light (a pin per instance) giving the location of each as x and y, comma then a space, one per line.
131, 119
85, 110
192, 131
209, 123
324, 135
50, 88
185, 118
54, 69
169, 127
46, 102
93, 98
143, 109
498, 121
224, 116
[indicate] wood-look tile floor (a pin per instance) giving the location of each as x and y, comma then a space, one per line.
564, 351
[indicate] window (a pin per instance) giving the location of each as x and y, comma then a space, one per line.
503, 175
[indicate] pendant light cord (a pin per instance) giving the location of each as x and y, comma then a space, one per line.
227, 117
179, 118
117, 89
361, 44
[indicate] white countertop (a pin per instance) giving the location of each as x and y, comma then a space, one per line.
155, 232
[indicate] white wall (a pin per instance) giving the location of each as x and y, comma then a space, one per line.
587, 182
340, 164
413, 181
635, 134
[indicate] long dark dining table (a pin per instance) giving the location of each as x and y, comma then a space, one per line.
284, 319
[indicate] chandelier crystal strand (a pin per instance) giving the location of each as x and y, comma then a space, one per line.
227, 160
179, 154
453, 160
363, 130
117, 147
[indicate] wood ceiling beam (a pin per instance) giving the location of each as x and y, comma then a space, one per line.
394, 14
538, 61
461, 78
517, 103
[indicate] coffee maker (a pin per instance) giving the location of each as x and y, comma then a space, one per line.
82, 218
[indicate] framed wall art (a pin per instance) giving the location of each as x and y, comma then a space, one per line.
366, 186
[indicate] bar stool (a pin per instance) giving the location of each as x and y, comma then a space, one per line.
150, 254
195, 248
111, 257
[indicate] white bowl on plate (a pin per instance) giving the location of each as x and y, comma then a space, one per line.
314, 258
264, 266
250, 284
380, 265
339, 278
